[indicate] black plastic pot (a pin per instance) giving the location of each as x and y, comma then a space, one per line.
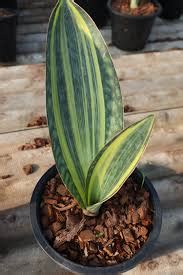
8, 37
129, 32
171, 9
97, 9
11, 4
74, 267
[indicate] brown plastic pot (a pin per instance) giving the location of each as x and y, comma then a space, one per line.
74, 267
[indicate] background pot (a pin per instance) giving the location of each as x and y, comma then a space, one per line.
8, 37
130, 33
171, 9
11, 4
74, 267
97, 9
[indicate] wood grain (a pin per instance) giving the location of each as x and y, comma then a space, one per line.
148, 83
163, 158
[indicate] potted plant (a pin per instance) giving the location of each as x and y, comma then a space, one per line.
98, 214
96, 9
7, 31
132, 21
171, 9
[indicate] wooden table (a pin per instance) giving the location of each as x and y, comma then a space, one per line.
151, 83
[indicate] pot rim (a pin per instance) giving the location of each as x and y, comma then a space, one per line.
135, 17
76, 267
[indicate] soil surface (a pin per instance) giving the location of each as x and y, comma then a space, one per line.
5, 13
115, 235
123, 6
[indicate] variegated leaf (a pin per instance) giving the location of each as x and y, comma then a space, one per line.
117, 160
84, 104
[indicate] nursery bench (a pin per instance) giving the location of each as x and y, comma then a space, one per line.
151, 83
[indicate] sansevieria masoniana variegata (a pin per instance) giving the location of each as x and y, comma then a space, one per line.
94, 154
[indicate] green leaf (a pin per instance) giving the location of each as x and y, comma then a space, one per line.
84, 103
117, 160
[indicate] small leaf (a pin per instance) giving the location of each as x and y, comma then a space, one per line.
116, 162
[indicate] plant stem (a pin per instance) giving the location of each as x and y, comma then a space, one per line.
134, 4
89, 214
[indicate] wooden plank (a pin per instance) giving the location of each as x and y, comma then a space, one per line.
163, 158
159, 33
29, 259
148, 83
36, 46
32, 4
31, 29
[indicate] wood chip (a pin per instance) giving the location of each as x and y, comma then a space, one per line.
65, 208
67, 236
37, 121
86, 236
108, 243
86, 251
142, 210
28, 169
108, 251
127, 249
142, 231
37, 143
61, 189
47, 210
72, 220
55, 227
59, 217
128, 236
41, 142
50, 201
128, 109
99, 228
6, 177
